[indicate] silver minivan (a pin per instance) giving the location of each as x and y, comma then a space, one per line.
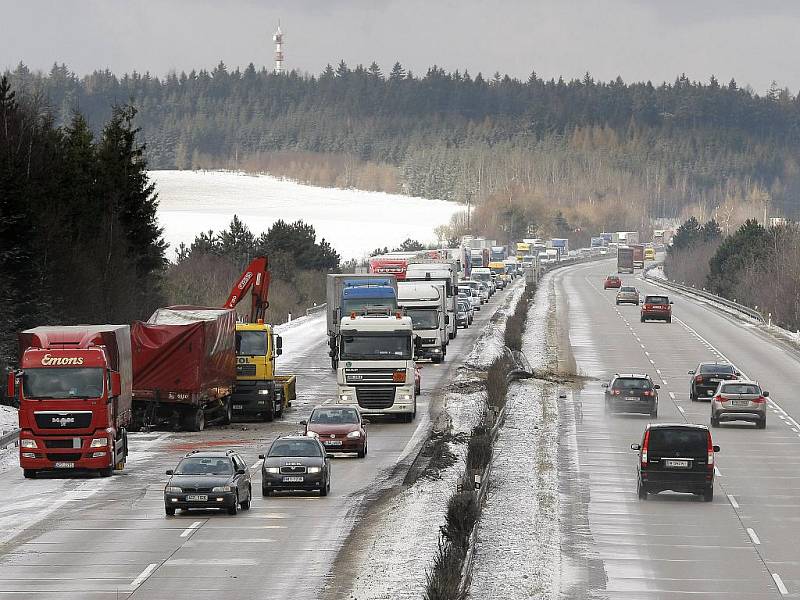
739, 400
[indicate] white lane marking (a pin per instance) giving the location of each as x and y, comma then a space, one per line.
672, 395
327, 401
143, 575
716, 471
795, 430
779, 582
680, 408
256, 464
642, 345
188, 531
753, 536
664, 381
658, 371
652, 362
161, 438
733, 501
646, 353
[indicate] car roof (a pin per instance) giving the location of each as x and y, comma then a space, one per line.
738, 381
632, 375
676, 426
715, 362
210, 453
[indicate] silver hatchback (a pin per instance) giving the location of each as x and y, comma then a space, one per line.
628, 295
739, 400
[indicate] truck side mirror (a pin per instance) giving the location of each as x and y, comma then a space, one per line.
11, 390
447, 319
278, 345
116, 384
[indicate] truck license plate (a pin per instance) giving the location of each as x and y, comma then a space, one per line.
332, 442
197, 497
672, 463
64, 465
293, 480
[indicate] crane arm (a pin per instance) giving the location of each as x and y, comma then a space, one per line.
255, 279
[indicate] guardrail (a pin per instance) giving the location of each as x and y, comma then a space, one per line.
8, 438
686, 289
316, 309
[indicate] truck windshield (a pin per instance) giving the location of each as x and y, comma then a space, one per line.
63, 383
423, 318
482, 276
361, 305
251, 343
376, 347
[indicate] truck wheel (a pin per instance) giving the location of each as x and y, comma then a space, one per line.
194, 420
29, 473
227, 410
334, 363
268, 415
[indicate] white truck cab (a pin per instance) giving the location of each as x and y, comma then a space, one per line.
426, 304
376, 365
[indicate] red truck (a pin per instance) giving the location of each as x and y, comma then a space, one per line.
74, 390
184, 367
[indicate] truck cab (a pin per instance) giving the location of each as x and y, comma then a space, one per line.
445, 273
376, 368
425, 303
74, 387
259, 390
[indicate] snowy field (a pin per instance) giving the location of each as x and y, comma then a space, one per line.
353, 221
8, 418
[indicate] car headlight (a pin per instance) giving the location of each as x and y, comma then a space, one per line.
264, 392
27, 443
99, 443
221, 488
314, 469
273, 470
354, 434
312, 434
171, 489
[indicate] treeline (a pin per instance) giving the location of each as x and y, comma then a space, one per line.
755, 266
79, 238
206, 270
607, 155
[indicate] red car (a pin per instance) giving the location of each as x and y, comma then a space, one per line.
612, 281
339, 428
657, 308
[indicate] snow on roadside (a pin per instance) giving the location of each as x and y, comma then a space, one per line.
657, 272
518, 549
8, 418
491, 342
9, 457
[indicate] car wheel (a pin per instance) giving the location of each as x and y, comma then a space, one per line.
654, 413
641, 490
170, 510
246, 503
642, 319
436, 360
714, 421
617, 302
232, 510
29, 473
265, 492
762, 423
106, 472
669, 319
227, 411
363, 452
692, 397
708, 494
325, 490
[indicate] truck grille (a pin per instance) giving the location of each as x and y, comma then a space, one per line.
428, 340
246, 370
63, 420
369, 375
293, 470
375, 397
61, 443
70, 457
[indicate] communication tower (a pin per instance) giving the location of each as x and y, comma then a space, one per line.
278, 39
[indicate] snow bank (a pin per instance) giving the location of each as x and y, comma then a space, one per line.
491, 342
353, 221
8, 418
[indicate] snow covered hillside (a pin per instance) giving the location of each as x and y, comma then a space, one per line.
353, 221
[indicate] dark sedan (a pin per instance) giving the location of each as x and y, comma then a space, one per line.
707, 377
339, 428
209, 479
296, 462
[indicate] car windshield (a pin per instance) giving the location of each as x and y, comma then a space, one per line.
63, 383
613, 278
657, 300
463, 306
204, 465
368, 347
727, 369
251, 343
741, 388
625, 288
334, 416
683, 440
423, 318
631, 383
284, 448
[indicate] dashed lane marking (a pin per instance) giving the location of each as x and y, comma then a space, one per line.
143, 575
190, 529
753, 536
733, 501
672, 395
256, 464
680, 408
779, 582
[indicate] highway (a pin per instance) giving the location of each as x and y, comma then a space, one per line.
675, 546
77, 538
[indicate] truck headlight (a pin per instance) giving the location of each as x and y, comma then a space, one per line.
264, 392
313, 470
406, 397
28, 444
354, 434
345, 397
99, 443
272, 470
171, 489
221, 488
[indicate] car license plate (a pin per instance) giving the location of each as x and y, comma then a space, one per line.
197, 497
713, 380
64, 465
237, 407
671, 463
293, 480
632, 398
332, 442
740, 402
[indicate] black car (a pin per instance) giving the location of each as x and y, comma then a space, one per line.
296, 462
209, 479
631, 393
677, 457
706, 378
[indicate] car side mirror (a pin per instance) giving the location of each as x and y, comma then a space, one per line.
657, 387
635, 447
261, 456
303, 422
170, 472
240, 471
605, 385
690, 372
765, 394
671, 302
715, 448
116, 384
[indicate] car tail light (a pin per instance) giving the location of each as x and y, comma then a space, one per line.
759, 400
647, 393
710, 462
698, 379
644, 448
648, 307
399, 377
615, 392
719, 398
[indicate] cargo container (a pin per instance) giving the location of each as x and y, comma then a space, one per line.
624, 259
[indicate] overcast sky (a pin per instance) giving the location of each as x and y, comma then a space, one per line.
753, 41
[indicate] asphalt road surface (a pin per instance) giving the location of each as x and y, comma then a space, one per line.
86, 538
743, 545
